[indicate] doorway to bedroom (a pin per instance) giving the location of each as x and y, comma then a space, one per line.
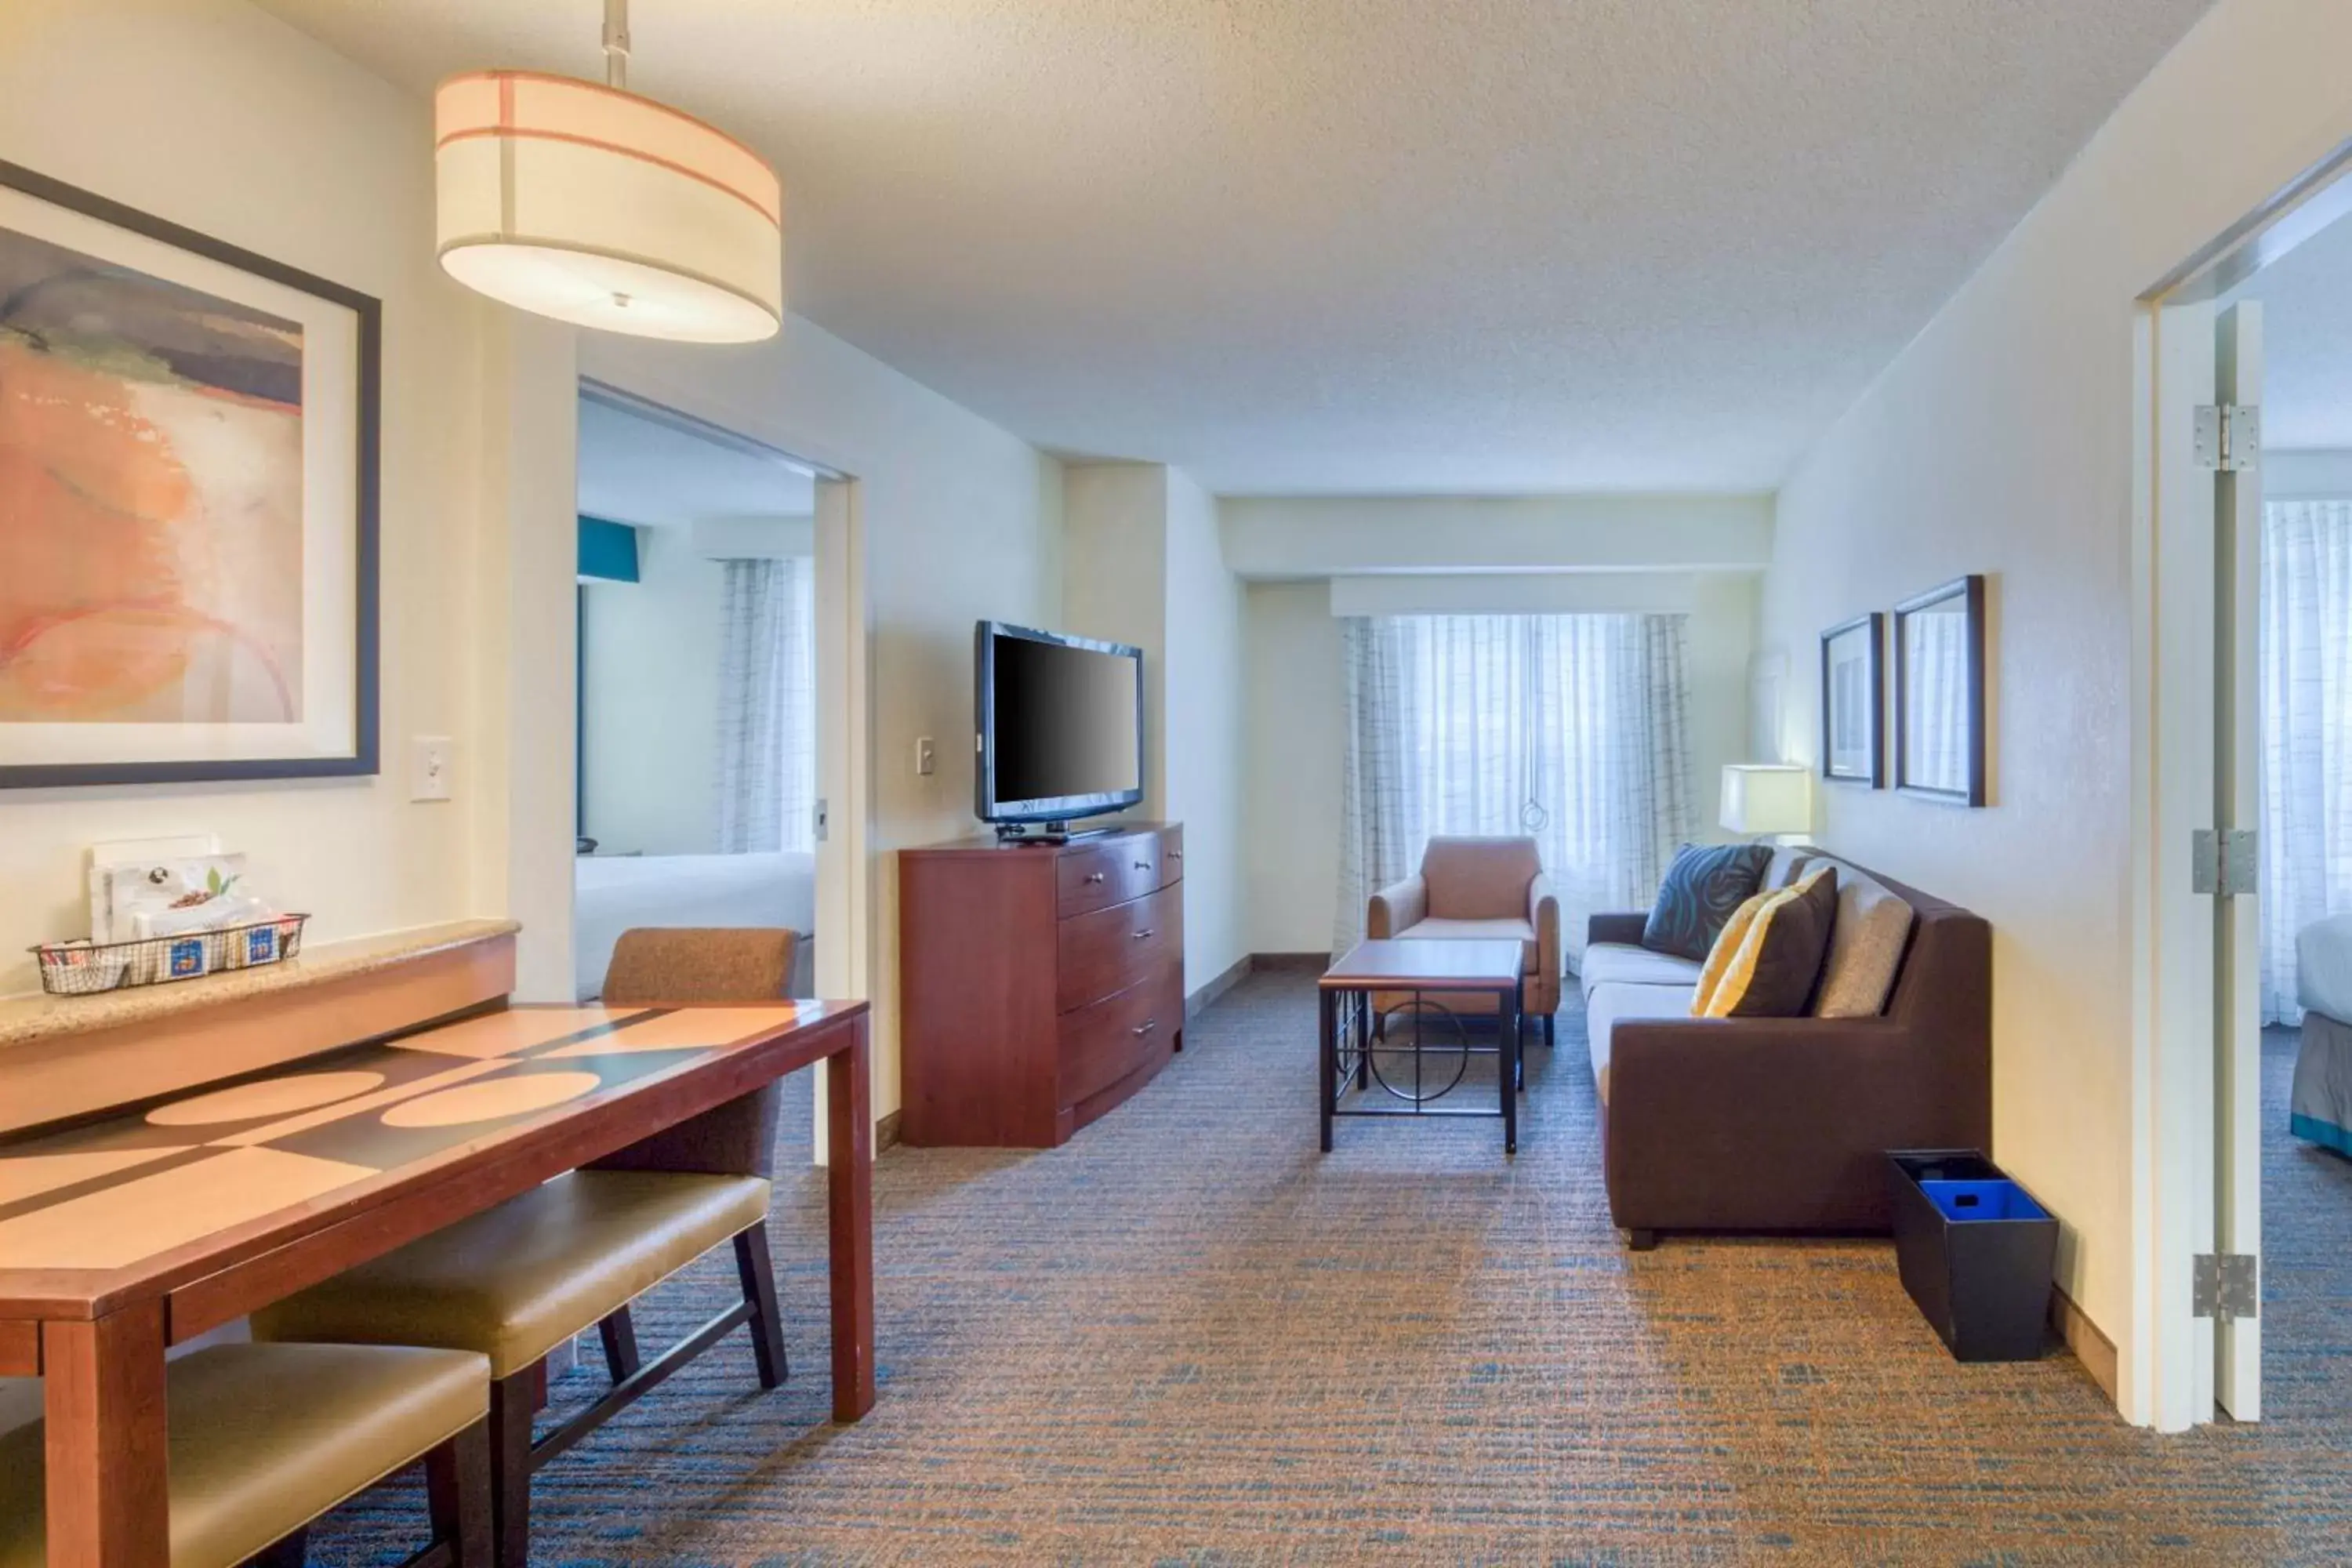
696, 796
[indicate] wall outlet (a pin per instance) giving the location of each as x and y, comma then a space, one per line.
927, 757
431, 763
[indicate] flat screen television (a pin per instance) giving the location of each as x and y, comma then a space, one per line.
1060, 722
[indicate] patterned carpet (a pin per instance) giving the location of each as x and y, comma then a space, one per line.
1188, 1339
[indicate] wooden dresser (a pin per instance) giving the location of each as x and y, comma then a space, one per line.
1039, 985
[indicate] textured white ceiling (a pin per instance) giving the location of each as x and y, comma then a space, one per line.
1369, 245
639, 470
2306, 298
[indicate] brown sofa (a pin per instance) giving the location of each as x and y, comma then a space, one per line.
1782, 1124
1486, 889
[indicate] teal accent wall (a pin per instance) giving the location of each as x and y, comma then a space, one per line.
608, 549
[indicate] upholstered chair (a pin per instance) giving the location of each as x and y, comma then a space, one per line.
522, 1278
1485, 889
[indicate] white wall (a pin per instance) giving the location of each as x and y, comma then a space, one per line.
649, 741
2001, 441
2312, 473
1142, 563
1326, 536
1297, 692
1207, 723
1293, 766
216, 116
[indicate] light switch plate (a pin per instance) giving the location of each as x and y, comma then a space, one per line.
431, 761
927, 757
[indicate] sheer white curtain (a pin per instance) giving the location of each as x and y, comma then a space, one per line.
1569, 728
2307, 766
767, 706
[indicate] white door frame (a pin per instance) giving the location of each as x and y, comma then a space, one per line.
845, 609
2188, 1092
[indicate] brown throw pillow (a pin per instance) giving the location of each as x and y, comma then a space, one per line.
1781, 958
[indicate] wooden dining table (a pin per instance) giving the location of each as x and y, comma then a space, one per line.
143, 1227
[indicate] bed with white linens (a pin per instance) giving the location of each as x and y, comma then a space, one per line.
614, 893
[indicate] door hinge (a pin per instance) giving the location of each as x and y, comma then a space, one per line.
2229, 435
2224, 861
2226, 1286
823, 821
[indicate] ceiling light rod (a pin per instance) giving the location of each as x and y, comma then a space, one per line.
616, 43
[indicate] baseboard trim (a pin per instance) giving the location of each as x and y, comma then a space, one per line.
885, 1132
1318, 962
2090, 1347
1206, 996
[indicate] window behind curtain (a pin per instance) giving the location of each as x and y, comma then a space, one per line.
767, 706
1571, 729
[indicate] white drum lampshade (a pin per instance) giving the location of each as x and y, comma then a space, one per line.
604, 209
1767, 798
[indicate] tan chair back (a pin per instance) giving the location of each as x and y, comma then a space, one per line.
699, 964
689, 965
1479, 879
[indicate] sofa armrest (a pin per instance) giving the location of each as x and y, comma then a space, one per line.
1397, 907
1623, 929
1765, 1123
1543, 913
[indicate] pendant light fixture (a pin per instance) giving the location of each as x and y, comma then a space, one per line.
599, 207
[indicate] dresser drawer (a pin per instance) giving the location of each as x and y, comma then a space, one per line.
1113, 870
1110, 949
1104, 1042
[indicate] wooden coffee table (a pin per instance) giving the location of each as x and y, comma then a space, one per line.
1354, 1027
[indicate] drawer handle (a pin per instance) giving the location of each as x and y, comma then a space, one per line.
1146, 935
1094, 876
1143, 865
1175, 853
1145, 1028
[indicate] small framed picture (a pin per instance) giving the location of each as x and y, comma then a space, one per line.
1853, 696
1939, 693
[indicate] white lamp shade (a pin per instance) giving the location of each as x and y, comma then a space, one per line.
1768, 798
601, 208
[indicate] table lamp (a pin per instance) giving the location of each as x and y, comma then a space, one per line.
1765, 799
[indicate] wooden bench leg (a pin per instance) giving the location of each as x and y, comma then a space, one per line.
758, 1271
619, 1333
458, 1494
511, 1401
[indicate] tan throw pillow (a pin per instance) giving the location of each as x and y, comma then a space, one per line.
1865, 947
1726, 948
1780, 960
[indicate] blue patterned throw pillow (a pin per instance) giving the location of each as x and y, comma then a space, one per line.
1704, 886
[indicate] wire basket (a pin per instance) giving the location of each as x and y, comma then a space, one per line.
86, 968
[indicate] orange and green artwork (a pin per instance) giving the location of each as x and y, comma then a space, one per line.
150, 498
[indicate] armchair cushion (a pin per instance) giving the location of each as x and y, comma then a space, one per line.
1519, 931
1702, 887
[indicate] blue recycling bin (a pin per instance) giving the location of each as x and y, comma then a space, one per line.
1976, 1252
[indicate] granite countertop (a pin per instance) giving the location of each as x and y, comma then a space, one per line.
40, 1016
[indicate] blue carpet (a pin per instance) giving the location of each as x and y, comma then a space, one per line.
1188, 1339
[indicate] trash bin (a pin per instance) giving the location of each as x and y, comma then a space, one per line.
1976, 1252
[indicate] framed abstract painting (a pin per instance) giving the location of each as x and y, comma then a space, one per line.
1853, 699
188, 471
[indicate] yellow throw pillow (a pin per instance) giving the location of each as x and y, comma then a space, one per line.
1727, 947
1779, 959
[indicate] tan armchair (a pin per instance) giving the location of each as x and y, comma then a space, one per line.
1481, 890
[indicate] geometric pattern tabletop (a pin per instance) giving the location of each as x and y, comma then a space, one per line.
109, 1191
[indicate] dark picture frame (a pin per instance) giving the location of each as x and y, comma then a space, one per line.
1849, 701
1969, 593
364, 405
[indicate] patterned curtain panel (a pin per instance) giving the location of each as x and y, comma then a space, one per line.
2306, 762
767, 707
1572, 728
